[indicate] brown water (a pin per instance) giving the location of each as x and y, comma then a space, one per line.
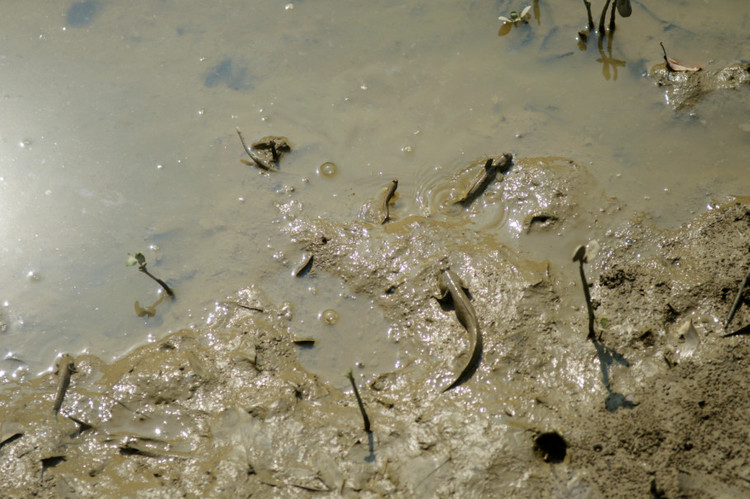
118, 136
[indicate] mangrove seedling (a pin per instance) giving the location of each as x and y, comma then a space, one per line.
140, 260
622, 6
580, 255
359, 401
516, 18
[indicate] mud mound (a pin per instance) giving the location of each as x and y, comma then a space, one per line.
655, 405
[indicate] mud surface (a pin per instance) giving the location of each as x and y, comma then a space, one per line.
687, 89
655, 405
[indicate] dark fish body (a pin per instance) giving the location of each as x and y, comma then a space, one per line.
450, 283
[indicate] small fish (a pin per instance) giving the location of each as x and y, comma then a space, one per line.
485, 178
65, 369
377, 210
451, 283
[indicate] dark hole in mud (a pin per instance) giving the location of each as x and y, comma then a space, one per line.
647, 338
598, 448
656, 492
670, 315
10, 439
324, 239
542, 221
53, 461
390, 290
550, 447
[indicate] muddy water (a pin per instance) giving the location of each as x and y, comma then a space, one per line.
118, 136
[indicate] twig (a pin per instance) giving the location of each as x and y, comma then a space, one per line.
163, 284
612, 17
253, 155
580, 257
601, 19
737, 301
359, 401
588, 11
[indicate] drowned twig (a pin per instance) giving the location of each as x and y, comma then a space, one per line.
265, 152
359, 401
737, 301
581, 257
257, 159
140, 260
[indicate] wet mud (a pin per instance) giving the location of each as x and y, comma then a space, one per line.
688, 88
654, 404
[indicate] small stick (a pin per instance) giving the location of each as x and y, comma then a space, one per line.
580, 257
359, 401
588, 11
161, 283
612, 18
601, 19
737, 301
256, 159
141, 261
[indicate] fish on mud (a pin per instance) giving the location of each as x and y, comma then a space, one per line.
377, 209
65, 369
491, 167
450, 283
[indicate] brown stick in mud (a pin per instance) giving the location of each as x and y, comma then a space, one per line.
254, 156
737, 301
359, 401
580, 257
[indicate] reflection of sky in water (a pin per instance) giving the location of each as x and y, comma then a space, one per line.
81, 14
233, 77
118, 135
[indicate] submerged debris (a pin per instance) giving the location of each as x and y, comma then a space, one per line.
274, 144
266, 152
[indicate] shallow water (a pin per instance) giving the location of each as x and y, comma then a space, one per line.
118, 137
